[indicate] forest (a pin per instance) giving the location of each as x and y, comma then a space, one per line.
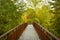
16, 12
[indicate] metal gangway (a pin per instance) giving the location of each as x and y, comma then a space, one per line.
27, 31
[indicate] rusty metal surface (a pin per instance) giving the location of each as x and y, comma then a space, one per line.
14, 33
29, 34
43, 33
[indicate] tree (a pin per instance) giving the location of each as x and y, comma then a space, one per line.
56, 22
10, 14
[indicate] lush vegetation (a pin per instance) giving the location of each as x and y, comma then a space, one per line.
10, 14
56, 19
14, 12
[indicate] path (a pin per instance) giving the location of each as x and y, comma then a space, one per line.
29, 34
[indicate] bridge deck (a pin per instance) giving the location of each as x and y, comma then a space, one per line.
29, 34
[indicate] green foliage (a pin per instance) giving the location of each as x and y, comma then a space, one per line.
35, 2
56, 22
9, 16
31, 15
13, 13
43, 16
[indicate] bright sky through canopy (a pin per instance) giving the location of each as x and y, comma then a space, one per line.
44, 2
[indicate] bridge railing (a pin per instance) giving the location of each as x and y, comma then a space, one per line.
43, 33
14, 33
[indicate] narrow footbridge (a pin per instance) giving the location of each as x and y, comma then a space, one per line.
27, 31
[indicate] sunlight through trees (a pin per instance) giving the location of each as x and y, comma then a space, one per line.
44, 12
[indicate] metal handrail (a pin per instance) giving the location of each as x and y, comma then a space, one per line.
40, 28
8, 32
48, 33
14, 31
